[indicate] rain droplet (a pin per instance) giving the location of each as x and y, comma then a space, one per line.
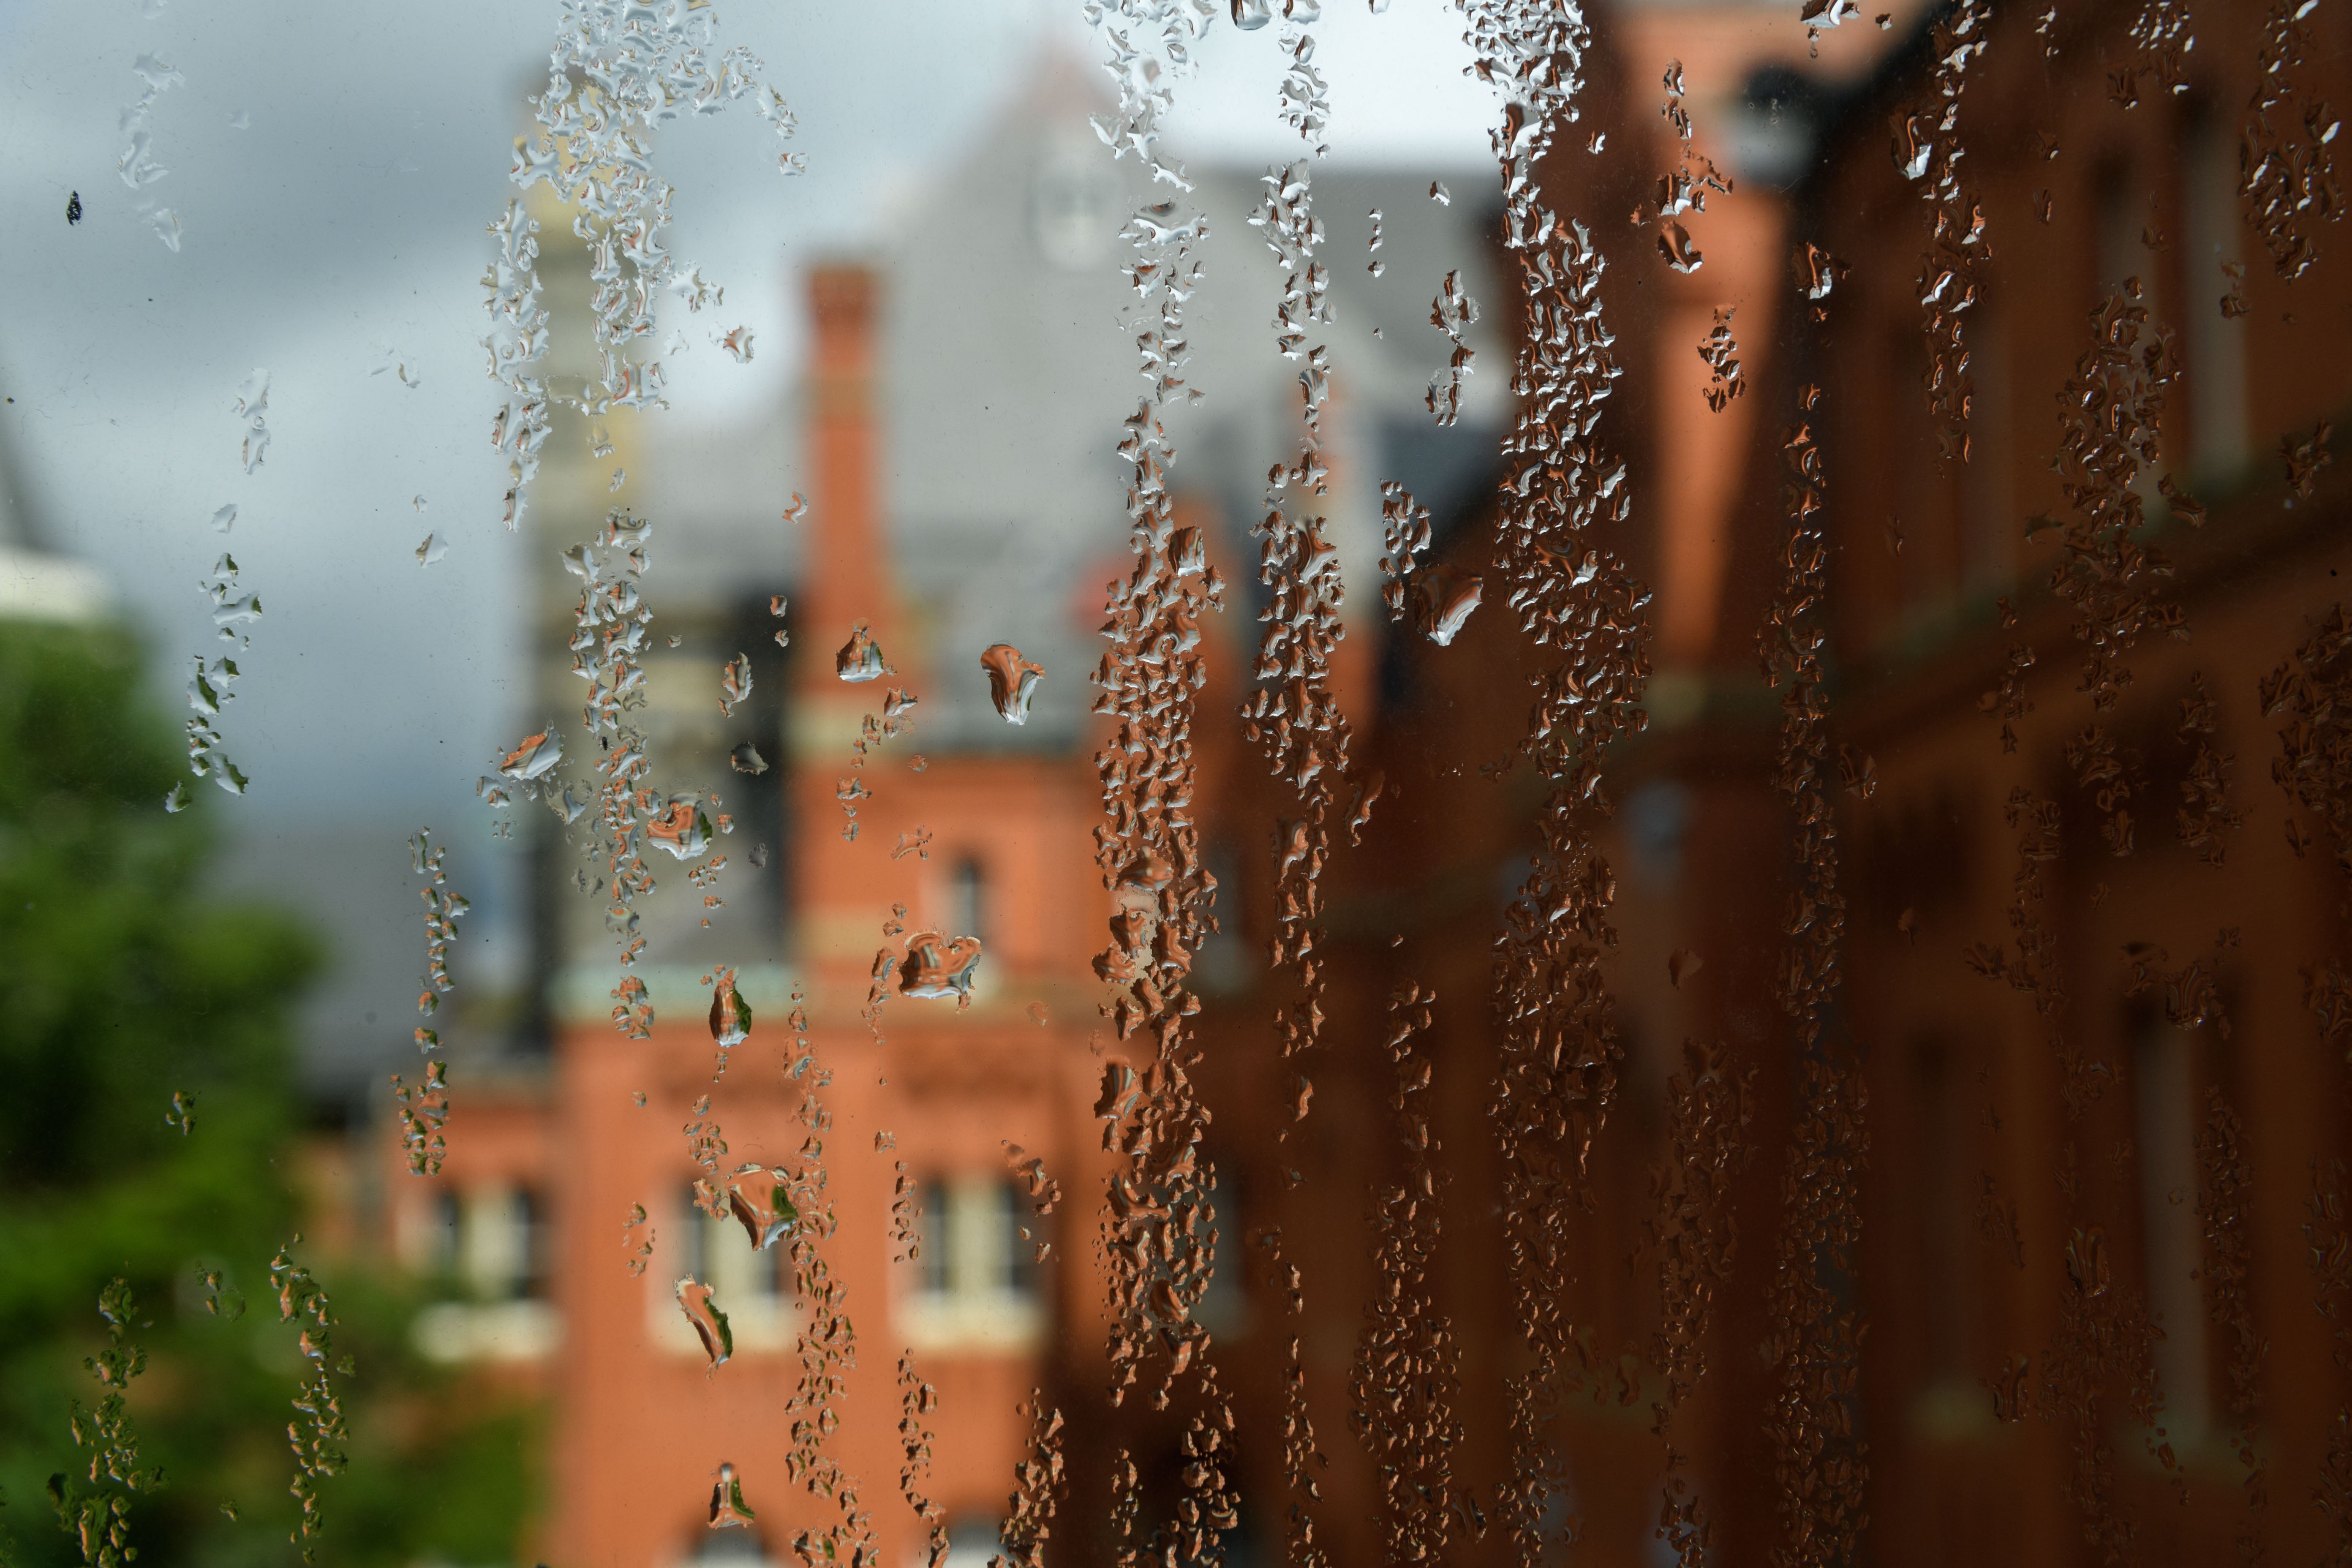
1038, 1015
760, 1201
1442, 599
730, 1016
860, 657
681, 828
1011, 681
746, 759
175, 799
432, 549
727, 1509
734, 684
1249, 15
620, 477
532, 757
1675, 244
798, 509
693, 1299
240, 121
738, 344
1682, 964
938, 966
1438, 194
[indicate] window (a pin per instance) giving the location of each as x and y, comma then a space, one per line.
967, 906
976, 1285
754, 1288
1746, 604
935, 1249
2214, 341
490, 1241
2164, 1096
973, 1542
1225, 1304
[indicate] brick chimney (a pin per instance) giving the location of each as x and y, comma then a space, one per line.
847, 577
841, 884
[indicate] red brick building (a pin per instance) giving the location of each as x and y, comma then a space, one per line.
2096, 1291
2064, 1145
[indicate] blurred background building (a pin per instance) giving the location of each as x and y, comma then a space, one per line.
2097, 1259
962, 493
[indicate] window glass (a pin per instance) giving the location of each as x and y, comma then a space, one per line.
1197, 780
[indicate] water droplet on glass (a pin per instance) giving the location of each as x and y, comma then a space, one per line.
1038, 1015
693, 1299
1249, 15
734, 684
682, 828
175, 799
1442, 599
761, 1200
1675, 244
738, 344
1011, 681
730, 1016
532, 757
727, 1509
938, 966
252, 406
1439, 193
860, 657
433, 548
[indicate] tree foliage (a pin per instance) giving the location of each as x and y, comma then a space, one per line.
128, 985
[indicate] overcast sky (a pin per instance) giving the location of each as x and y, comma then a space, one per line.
332, 168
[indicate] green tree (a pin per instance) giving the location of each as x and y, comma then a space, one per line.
126, 986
